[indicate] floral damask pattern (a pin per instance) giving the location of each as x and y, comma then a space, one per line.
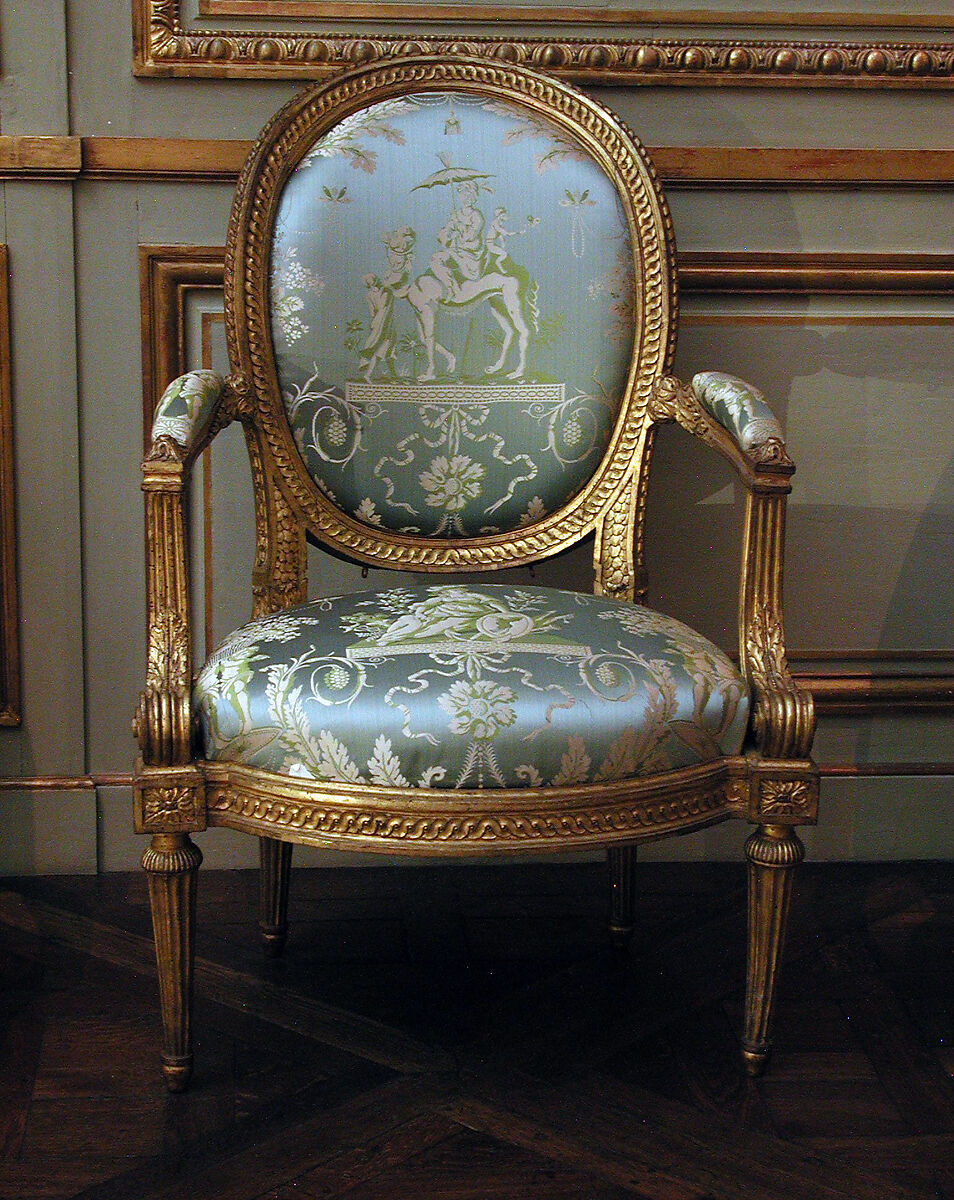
477, 686
452, 310
738, 407
185, 406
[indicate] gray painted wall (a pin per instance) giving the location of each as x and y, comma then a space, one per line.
867, 403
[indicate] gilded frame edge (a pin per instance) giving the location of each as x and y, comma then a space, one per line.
428, 822
168, 272
164, 48
10, 713
283, 143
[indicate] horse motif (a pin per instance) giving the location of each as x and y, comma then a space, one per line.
469, 266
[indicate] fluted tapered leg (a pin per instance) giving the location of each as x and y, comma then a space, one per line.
773, 852
622, 867
172, 865
274, 873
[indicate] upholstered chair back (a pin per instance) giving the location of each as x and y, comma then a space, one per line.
455, 292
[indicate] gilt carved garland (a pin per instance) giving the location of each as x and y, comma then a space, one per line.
167, 45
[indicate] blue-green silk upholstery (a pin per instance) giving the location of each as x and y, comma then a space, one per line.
186, 406
452, 313
740, 408
477, 686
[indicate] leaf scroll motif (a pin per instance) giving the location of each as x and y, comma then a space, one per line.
765, 649
168, 654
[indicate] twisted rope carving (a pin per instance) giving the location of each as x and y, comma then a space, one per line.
347, 821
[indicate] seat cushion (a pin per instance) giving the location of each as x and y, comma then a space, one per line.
469, 686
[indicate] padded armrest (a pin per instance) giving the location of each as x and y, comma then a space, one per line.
739, 408
186, 408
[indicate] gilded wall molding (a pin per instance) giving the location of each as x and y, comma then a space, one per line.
169, 273
555, 14
697, 53
9, 606
217, 160
52, 158
166, 275
167, 46
754, 274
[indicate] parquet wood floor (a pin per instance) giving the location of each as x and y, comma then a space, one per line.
451, 1032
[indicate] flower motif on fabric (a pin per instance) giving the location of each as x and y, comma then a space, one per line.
449, 484
292, 284
452, 370
479, 709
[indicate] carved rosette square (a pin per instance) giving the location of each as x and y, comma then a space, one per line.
169, 803
787, 801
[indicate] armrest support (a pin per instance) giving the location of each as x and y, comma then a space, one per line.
193, 408
735, 420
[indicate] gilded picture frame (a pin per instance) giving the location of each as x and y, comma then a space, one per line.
598, 45
9, 607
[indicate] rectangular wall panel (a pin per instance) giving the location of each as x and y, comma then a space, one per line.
813, 224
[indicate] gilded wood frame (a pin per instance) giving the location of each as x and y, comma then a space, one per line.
213, 160
9, 607
166, 46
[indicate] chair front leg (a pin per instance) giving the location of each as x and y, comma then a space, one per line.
274, 858
773, 852
622, 868
172, 866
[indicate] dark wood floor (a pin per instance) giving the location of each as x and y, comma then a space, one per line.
457, 1031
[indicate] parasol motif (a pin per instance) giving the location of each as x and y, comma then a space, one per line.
450, 174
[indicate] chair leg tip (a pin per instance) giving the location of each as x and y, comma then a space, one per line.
273, 940
620, 937
178, 1073
755, 1060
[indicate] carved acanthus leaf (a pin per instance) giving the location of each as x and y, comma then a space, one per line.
770, 454
765, 652
287, 577
672, 400
240, 396
616, 550
167, 667
783, 718
165, 449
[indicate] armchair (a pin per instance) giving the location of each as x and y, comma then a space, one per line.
449, 354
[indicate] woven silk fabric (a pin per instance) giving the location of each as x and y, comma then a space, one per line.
478, 686
739, 408
452, 314
185, 407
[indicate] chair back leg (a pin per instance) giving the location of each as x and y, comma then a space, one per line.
622, 868
274, 859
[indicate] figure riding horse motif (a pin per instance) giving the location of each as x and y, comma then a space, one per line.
468, 267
